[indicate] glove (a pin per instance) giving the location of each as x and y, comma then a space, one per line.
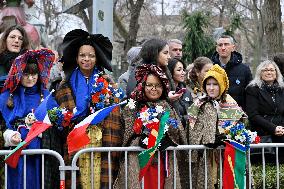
219, 138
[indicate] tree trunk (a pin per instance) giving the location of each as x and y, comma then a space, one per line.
130, 36
273, 27
258, 36
133, 25
82, 14
221, 16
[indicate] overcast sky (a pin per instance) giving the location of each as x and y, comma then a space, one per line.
173, 7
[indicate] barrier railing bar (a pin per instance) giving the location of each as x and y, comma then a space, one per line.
189, 168
42, 171
92, 169
277, 168
205, 164
126, 170
263, 168
250, 170
221, 168
175, 169
6, 175
25, 171
74, 168
109, 170
159, 169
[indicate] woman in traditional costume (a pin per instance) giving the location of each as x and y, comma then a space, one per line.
207, 116
151, 123
87, 89
24, 90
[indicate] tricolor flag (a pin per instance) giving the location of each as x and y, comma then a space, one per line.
78, 137
42, 124
234, 166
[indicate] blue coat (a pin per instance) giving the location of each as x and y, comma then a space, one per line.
25, 99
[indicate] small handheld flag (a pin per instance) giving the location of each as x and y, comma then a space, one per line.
78, 137
37, 128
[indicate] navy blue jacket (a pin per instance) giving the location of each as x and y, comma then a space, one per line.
239, 75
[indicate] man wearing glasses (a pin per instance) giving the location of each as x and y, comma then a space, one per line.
239, 74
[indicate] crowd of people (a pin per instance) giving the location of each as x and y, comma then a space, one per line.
168, 104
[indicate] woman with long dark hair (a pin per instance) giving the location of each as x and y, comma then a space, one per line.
177, 70
13, 42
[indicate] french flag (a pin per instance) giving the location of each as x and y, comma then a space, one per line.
42, 124
78, 137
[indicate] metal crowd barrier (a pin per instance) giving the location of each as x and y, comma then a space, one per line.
188, 148
262, 146
41, 152
74, 168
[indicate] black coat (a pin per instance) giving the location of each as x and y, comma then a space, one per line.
239, 75
182, 104
264, 114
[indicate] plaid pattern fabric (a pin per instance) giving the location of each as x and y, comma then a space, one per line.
64, 97
111, 135
44, 57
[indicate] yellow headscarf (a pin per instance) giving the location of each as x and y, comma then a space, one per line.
220, 75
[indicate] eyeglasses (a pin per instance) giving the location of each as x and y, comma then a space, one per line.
268, 70
152, 86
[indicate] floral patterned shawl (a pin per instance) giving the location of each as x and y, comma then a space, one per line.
227, 111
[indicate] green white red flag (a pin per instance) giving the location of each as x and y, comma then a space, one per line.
234, 166
146, 156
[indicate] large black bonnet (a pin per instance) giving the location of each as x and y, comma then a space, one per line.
74, 39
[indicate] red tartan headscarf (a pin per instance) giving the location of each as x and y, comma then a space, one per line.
44, 59
141, 75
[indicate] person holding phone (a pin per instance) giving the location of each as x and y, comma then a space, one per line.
184, 98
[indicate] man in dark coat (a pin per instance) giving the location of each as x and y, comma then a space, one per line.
239, 74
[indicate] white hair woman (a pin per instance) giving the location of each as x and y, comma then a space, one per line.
265, 102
